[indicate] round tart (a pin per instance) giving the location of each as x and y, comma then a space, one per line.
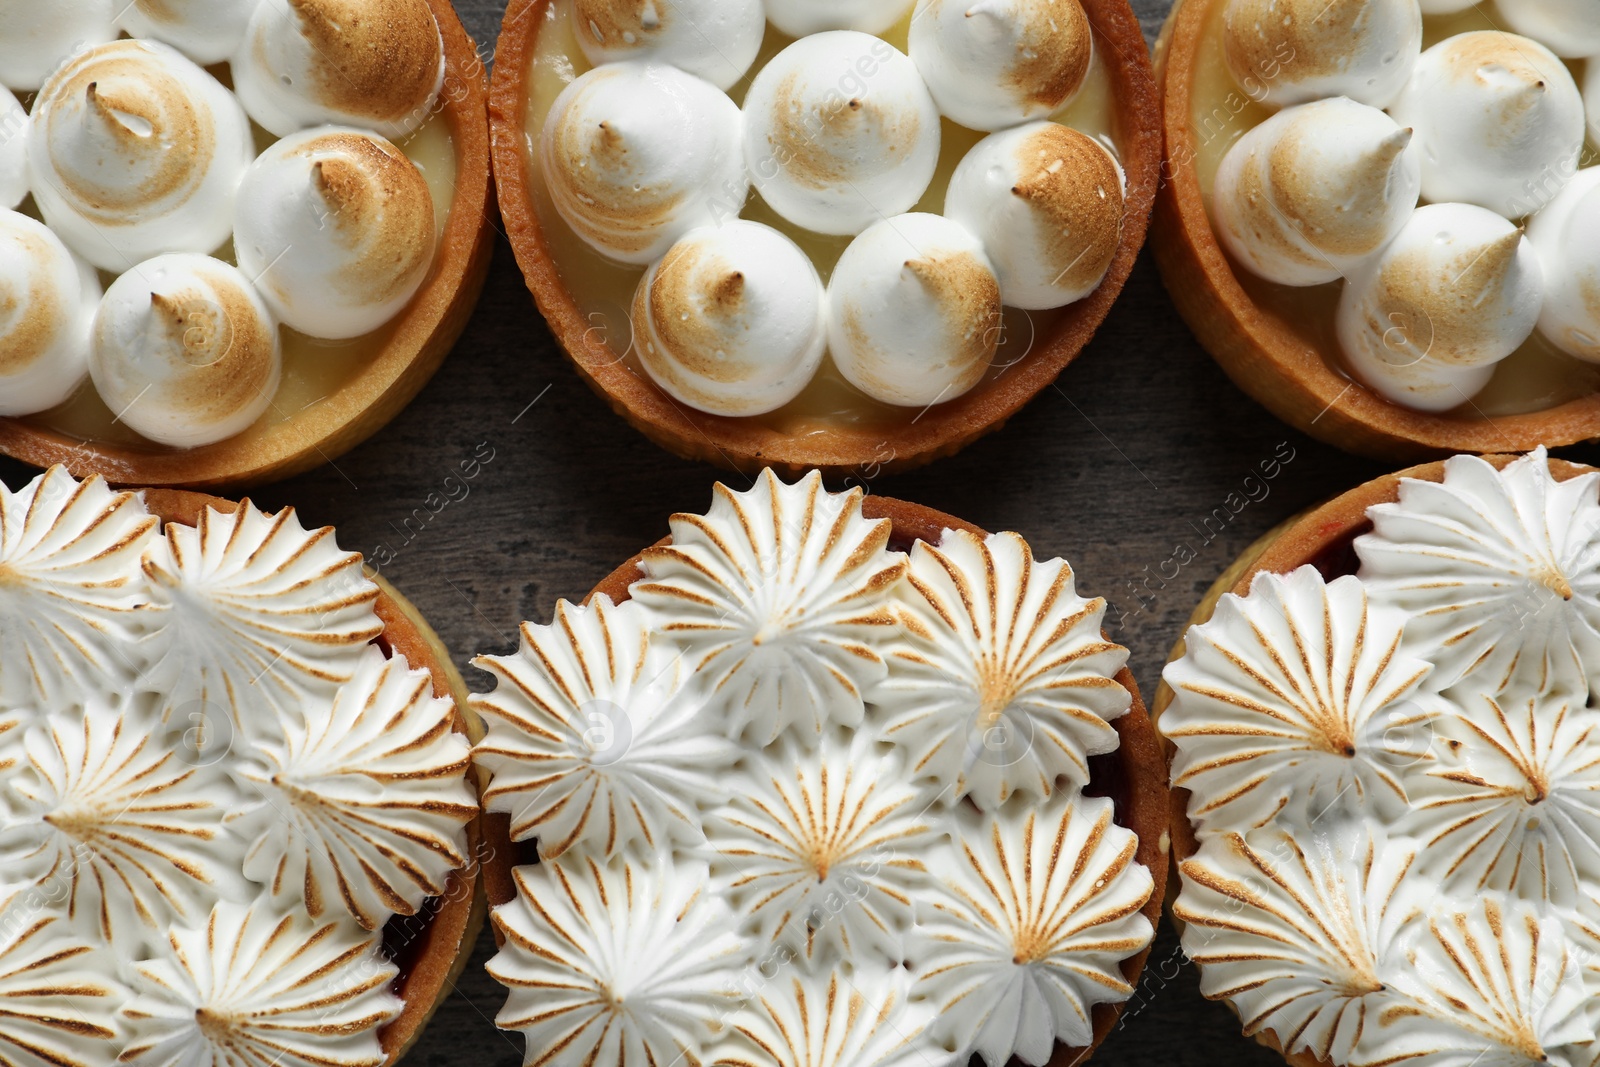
820, 779
1382, 751
896, 285
237, 821
1289, 232
245, 234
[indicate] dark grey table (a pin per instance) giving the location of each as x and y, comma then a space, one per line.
1138, 451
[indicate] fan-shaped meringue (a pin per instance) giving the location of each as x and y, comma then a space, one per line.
207, 31
589, 743
839, 132
1457, 290
994, 63
258, 987
635, 156
1037, 910
1299, 688
315, 62
774, 597
35, 38
1498, 118
363, 807
616, 963
1002, 681
185, 351
1315, 191
859, 1016
730, 320
1566, 236
336, 227
712, 39
1047, 203
1567, 27
914, 311
799, 18
1293, 51
53, 981
48, 298
13, 151
135, 151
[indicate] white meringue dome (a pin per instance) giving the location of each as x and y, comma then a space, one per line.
35, 37
637, 155
994, 63
337, 228
1567, 27
207, 31
1498, 118
797, 18
840, 131
134, 151
1315, 190
1293, 51
13, 151
1566, 235
185, 350
1591, 99
372, 63
47, 301
1047, 203
1458, 290
730, 320
914, 311
712, 39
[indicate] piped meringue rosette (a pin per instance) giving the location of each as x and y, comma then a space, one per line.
1385, 797
216, 788
803, 798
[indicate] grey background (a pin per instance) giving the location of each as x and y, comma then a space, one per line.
1124, 460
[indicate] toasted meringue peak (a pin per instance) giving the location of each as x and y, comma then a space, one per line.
55, 989
1494, 568
1316, 190
1047, 203
1298, 690
636, 155
839, 132
185, 350
1292, 928
361, 809
775, 598
1568, 28
1294, 51
730, 320
994, 63
712, 39
13, 151
135, 151
1498, 118
590, 742
35, 38
336, 226
378, 64
616, 962
914, 311
207, 31
1036, 910
70, 587
859, 1016
799, 18
259, 987
1457, 290
1566, 236
1002, 680
255, 614
824, 852
48, 298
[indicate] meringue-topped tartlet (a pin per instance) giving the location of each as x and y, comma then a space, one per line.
309, 152
825, 140
1347, 225
820, 781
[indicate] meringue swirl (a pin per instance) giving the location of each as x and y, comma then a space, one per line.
13, 150
1562, 235
716, 40
35, 38
207, 31
48, 298
1361, 49
52, 982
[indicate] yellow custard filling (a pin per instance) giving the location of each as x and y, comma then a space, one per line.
1535, 377
604, 289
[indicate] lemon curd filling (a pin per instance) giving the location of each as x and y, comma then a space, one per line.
604, 289
1535, 377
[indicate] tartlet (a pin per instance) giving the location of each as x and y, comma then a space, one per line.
843, 429
881, 959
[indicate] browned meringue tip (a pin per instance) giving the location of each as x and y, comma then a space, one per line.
381, 57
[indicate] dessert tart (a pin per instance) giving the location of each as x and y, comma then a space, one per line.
1383, 750
237, 823
823, 236
246, 232
1381, 217
820, 779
